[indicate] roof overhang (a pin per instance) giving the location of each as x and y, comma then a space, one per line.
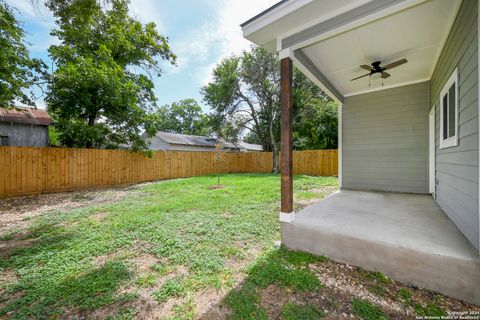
329, 39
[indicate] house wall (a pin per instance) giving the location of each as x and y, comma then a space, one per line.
188, 148
25, 135
157, 143
385, 140
457, 167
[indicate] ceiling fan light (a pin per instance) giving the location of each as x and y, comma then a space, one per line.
376, 76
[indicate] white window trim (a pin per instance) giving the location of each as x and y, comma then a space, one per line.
452, 141
431, 151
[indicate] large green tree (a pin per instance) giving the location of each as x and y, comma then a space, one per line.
314, 116
18, 71
185, 116
245, 93
101, 91
315, 126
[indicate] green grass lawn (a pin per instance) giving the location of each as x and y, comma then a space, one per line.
180, 249
170, 239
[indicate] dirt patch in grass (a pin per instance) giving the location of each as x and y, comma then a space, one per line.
277, 284
99, 216
17, 212
394, 298
209, 306
144, 262
148, 279
306, 198
7, 247
216, 187
273, 298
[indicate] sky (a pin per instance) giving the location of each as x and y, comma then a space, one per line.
201, 33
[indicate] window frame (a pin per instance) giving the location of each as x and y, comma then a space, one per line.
453, 140
7, 139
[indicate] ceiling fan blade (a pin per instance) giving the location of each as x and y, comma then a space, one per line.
368, 68
360, 77
385, 75
395, 64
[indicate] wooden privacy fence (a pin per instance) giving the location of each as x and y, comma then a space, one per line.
27, 170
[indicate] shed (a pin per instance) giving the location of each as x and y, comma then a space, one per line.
24, 127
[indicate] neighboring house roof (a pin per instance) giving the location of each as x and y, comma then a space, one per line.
26, 116
189, 140
250, 146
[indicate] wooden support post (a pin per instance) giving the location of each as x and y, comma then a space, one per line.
286, 155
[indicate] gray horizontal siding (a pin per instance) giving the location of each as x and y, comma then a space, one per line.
157, 143
178, 147
457, 167
385, 140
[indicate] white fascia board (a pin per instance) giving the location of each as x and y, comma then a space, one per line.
331, 15
272, 16
394, 8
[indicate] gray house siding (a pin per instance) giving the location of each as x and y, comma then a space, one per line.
457, 167
385, 140
157, 143
25, 135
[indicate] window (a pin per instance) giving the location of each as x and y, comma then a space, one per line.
449, 112
3, 141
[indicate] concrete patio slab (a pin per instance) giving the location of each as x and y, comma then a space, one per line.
406, 236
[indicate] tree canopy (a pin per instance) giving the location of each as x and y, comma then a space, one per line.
245, 94
185, 117
101, 91
18, 71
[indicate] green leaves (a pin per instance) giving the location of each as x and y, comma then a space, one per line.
185, 116
291, 311
18, 72
245, 96
367, 311
102, 90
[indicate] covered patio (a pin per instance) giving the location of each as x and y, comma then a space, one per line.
406, 236
409, 199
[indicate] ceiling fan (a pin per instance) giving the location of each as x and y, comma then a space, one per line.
376, 68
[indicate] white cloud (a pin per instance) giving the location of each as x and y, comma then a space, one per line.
147, 11
232, 14
33, 9
217, 38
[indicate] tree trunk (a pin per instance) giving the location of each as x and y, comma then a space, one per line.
91, 122
274, 148
275, 159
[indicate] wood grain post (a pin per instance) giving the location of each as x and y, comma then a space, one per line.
286, 155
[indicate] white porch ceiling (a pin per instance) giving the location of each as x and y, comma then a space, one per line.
417, 34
